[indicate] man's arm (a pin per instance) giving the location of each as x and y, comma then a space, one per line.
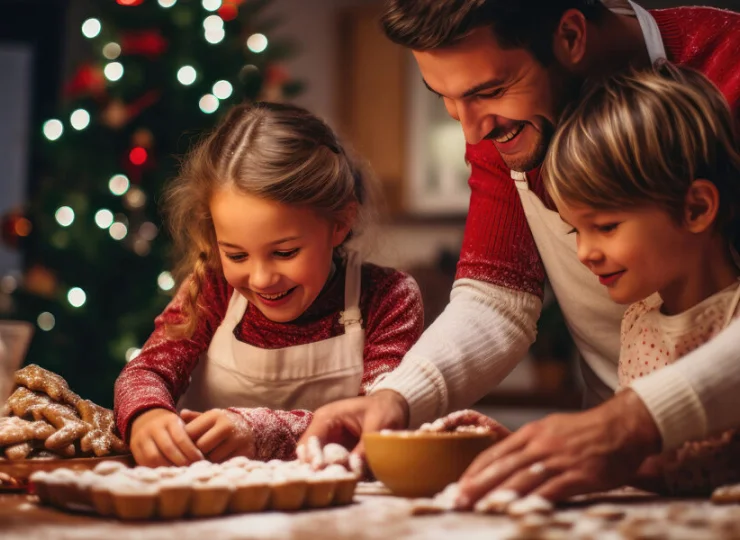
699, 394
479, 338
491, 319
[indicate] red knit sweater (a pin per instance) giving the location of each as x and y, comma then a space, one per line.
393, 317
498, 246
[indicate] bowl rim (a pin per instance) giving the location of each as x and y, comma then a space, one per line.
416, 435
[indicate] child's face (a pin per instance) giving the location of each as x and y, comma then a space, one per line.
635, 253
277, 256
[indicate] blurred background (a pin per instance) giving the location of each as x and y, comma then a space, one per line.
99, 98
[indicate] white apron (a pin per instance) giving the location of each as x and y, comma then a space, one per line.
592, 317
235, 374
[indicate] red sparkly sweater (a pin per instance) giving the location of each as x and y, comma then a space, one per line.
391, 307
498, 246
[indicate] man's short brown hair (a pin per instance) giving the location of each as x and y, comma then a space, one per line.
422, 25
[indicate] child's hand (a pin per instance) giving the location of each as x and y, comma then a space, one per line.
159, 438
220, 434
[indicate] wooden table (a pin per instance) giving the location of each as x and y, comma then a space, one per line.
371, 517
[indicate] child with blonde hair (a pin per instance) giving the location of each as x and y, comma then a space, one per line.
646, 170
277, 314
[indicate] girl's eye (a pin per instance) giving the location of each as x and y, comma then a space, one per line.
286, 254
236, 257
573, 231
609, 227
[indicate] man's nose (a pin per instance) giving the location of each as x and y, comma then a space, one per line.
476, 124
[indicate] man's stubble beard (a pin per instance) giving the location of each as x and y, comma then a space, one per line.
534, 158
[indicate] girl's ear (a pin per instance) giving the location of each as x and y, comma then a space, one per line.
343, 224
701, 206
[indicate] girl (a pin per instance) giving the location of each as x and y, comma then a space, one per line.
278, 316
647, 172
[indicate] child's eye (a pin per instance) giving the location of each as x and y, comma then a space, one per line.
236, 257
572, 231
608, 227
286, 254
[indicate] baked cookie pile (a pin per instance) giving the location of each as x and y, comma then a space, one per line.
203, 489
45, 419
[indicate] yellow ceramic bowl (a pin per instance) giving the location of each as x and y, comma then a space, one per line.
421, 464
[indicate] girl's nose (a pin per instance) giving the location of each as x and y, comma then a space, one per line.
262, 276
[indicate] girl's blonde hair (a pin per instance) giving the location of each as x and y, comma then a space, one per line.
275, 151
642, 138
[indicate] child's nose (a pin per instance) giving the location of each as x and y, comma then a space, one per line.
588, 253
262, 276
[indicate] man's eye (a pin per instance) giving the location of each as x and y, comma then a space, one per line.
494, 94
286, 254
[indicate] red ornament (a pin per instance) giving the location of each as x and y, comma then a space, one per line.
145, 43
129, 2
15, 227
276, 74
228, 11
138, 155
88, 79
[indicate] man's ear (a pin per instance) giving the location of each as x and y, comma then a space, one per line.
569, 40
343, 225
701, 206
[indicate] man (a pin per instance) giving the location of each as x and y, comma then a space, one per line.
506, 70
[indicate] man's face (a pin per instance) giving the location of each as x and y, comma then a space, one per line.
504, 95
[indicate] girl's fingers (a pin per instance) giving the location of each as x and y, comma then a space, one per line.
198, 427
211, 439
184, 443
188, 415
151, 456
169, 449
226, 450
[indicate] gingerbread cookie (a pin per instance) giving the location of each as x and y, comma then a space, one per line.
39, 379
101, 439
726, 494
14, 430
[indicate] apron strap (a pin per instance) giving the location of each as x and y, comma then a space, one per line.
351, 317
520, 180
733, 307
651, 32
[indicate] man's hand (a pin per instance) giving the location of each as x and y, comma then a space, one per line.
158, 438
220, 434
345, 421
564, 455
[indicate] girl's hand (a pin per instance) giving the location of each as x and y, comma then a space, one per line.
158, 438
220, 434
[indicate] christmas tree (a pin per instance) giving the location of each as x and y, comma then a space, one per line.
96, 256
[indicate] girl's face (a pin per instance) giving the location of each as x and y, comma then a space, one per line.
277, 256
635, 253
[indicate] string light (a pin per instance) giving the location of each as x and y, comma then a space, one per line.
148, 231
208, 103
215, 36
113, 71
135, 198
53, 129
119, 184
141, 247
167, 3
138, 155
46, 321
213, 22
103, 218
91, 28
257, 43
222, 89
118, 231
112, 50
79, 119
8, 284
211, 5
65, 216
76, 297
186, 75
165, 281
132, 353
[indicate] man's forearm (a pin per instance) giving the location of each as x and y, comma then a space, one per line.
479, 338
